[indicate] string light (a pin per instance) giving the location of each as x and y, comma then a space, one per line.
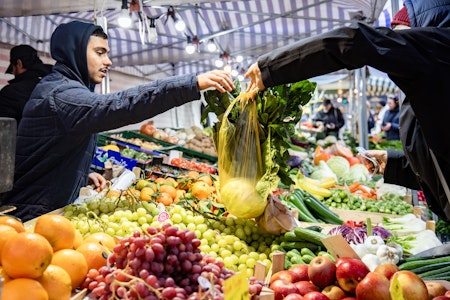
211, 46
152, 34
192, 44
124, 18
179, 24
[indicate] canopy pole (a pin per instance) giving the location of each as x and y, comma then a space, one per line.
362, 107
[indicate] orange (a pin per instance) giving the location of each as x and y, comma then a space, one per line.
24, 288
179, 196
27, 254
113, 194
4, 275
73, 262
57, 229
146, 194
201, 190
206, 179
164, 198
56, 281
160, 180
133, 192
171, 181
78, 239
13, 222
192, 174
94, 253
6, 232
142, 183
101, 238
169, 190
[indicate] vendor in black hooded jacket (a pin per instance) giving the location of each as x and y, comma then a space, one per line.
417, 59
57, 135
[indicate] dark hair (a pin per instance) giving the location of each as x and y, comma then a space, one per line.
29, 61
100, 33
326, 101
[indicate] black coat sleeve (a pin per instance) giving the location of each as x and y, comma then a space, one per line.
397, 161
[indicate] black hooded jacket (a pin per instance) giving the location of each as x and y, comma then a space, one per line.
416, 59
14, 95
57, 135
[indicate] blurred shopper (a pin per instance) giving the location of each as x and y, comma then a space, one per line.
370, 117
330, 117
391, 120
28, 69
416, 59
379, 116
58, 132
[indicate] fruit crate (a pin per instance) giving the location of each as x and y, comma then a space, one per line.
104, 137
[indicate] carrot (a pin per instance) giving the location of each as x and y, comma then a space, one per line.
354, 186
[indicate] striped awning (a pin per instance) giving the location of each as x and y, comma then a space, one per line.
238, 28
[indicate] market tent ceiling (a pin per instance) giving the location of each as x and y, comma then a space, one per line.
238, 28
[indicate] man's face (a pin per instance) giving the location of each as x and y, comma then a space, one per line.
97, 58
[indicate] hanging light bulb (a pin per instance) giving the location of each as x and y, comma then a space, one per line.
234, 73
211, 46
152, 34
124, 18
190, 48
192, 45
239, 58
227, 68
219, 63
180, 25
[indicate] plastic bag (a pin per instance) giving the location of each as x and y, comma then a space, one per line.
239, 161
276, 219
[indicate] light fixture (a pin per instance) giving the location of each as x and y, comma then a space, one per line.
234, 73
179, 24
192, 44
211, 46
239, 58
219, 63
227, 68
124, 18
152, 34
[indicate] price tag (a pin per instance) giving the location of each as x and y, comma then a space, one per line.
236, 287
163, 215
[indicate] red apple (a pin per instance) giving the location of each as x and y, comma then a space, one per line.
350, 273
435, 289
333, 292
322, 271
447, 294
349, 298
304, 287
441, 298
315, 296
407, 285
387, 270
293, 297
340, 260
301, 271
286, 275
373, 286
282, 288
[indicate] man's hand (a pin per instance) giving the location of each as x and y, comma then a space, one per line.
380, 156
255, 78
221, 80
97, 180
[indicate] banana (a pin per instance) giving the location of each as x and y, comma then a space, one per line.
313, 189
323, 183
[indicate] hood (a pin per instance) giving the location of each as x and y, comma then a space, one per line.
68, 46
428, 13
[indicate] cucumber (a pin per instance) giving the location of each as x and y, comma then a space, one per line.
307, 251
307, 258
298, 245
434, 272
315, 228
322, 211
409, 265
290, 236
430, 267
296, 199
311, 236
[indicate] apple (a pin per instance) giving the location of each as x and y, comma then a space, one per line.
286, 275
407, 285
435, 289
340, 260
282, 288
315, 296
447, 294
293, 297
441, 298
387, 269
349, 273
349, 298
333, 292
373, 286
301, 271
322, 271
305, 287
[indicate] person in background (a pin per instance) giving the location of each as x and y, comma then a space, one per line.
379, 116
330, 117
370, 117
416, 59
28, 69
391, 120
57, 135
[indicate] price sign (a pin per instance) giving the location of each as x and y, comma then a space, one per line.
236, 287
